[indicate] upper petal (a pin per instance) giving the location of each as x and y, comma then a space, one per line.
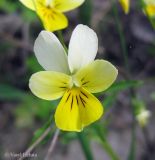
66, 5
50, 53
49, 85
77, 109
83, 47
96, 76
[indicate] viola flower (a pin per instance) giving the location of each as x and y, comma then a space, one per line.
51, 11
125, 5
73, 78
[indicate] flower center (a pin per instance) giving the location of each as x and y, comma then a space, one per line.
49, 3
75, 82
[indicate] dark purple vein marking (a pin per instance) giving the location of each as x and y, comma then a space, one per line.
77, 100
84, 94
68, 97
72, 102
83, 101
85, 83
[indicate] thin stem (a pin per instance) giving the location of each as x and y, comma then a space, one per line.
85, 146
131, 155
31, 148
59, 33
121, 36
52, 145
109, 150
107, 147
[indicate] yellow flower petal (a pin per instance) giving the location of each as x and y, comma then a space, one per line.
29, 3
125, 5
77, 109
96, 76
49, 85
150, 10
51, 18
66, 5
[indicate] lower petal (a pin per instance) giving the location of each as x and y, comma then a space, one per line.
77, 109
52, 19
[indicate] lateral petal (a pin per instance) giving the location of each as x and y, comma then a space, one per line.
77, 109
67, 5
29, 3
96, 76
49, 85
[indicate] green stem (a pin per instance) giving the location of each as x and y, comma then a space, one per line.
109, 150
60, 36
107, 147
85, 145
132, 150
121, 36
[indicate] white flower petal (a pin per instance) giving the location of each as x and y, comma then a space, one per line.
50, 53
82, 48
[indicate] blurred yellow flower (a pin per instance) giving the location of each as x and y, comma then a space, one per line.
51, 11
73, 78
150, 7
125, 5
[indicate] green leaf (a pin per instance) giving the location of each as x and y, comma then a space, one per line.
123, 85
9, 93
109, 100
33, 64
112, 92
9, 6
27, 14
